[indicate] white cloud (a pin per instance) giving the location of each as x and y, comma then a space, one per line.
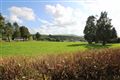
111, 6
69, 20
66, 20
43, 21
63, 16
14, 18
16, 13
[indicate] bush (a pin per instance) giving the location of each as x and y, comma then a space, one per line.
117, 40
89, 65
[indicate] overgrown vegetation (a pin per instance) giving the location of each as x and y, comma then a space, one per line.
89, 65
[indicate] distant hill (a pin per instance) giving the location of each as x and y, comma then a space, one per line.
61, 38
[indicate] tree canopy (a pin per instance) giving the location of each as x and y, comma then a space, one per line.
24, 32
16, 33
90, 29
102, 31
8, 30
37, 35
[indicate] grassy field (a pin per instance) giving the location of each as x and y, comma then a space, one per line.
102, 64
31, 48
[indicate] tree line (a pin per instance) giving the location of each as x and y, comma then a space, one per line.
101, 30
11, 31
96, 30
57, 38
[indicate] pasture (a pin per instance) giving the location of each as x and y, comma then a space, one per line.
34, 48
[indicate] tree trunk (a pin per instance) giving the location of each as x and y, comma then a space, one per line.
8, 39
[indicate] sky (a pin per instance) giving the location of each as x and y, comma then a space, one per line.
58, 16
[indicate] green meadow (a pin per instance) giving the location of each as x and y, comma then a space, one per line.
34, 48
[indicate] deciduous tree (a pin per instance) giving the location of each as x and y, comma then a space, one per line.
8, 30
16, 33
2, 23
37, 35
24, 32
113, 33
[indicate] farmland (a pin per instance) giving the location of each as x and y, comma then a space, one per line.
33, 48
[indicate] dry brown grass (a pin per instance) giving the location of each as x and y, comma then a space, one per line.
89, 65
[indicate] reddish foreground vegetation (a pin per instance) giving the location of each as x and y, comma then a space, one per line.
89, 65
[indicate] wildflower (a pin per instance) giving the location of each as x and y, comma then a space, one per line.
23, 77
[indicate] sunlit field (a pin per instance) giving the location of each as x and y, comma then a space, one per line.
33, 48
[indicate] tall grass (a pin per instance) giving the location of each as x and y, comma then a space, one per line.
103, 64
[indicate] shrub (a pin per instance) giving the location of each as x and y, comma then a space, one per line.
117, 40
89, 65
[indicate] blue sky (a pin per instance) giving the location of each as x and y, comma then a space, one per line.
58, 16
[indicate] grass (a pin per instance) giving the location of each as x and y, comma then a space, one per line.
33, 48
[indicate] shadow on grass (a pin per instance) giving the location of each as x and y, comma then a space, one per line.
90, 46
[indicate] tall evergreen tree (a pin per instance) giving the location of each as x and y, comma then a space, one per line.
90, 29
104, 26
